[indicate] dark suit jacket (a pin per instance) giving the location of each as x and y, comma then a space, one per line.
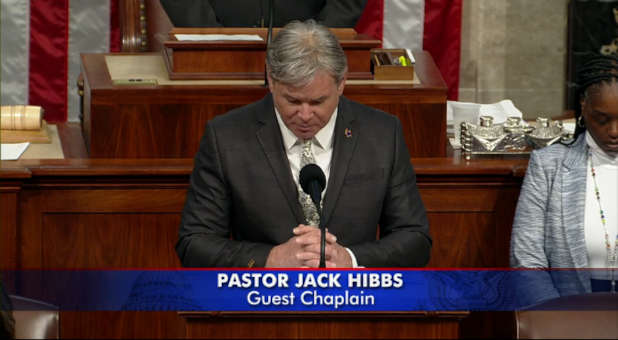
254, 13
242, 187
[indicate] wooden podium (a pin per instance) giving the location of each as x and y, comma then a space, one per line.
245, 59
167, 120
146, 27
124, 213
325, 325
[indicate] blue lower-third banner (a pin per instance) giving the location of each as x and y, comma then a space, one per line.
292, 290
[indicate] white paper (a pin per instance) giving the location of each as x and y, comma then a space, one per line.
457, 112
568, 127
410, 56
218, 37
500, 111
12, 152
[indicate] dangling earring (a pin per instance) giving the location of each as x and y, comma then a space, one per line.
580, 122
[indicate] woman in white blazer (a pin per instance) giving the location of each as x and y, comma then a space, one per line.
567, 213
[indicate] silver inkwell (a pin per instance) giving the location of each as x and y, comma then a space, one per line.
514, 136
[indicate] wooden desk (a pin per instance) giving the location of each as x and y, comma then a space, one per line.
470, 208
124, 213
360, 325
167, 121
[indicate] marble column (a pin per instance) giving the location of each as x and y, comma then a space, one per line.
515, 49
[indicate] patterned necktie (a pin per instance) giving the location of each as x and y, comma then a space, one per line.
311, 213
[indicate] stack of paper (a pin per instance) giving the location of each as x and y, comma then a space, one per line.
12, 152
218, 37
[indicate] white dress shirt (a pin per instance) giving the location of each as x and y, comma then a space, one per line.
322, 148
606, 169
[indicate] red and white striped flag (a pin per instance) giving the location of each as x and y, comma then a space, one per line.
41, 42
432, 25
42, 39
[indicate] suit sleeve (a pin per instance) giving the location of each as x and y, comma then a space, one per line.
341, 13
404, 228
204, 234
528, 235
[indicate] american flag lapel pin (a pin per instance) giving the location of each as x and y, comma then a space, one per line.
347, 133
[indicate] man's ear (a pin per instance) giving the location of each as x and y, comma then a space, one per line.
270, 81
582, 102
341, 85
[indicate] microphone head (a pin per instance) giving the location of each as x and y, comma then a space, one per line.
310, 173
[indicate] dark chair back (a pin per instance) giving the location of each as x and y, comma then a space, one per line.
35, 319
588, 316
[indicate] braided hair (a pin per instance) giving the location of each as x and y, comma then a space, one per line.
596, 70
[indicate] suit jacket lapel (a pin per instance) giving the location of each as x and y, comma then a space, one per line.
345, 138
573, 183
269, 137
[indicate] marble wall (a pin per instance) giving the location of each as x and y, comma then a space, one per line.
515, 49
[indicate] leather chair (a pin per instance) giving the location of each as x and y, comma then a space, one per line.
587, 316
35, 319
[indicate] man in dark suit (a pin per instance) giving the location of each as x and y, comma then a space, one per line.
244, 207
255, 13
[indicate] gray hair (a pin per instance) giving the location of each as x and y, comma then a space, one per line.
301, 49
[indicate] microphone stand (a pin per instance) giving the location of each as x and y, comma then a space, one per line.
271, 14
312, 181
322, 238
316, 199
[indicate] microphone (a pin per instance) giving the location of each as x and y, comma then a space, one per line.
269, 37
313, 181
271, 14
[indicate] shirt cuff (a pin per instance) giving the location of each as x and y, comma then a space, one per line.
354, 262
